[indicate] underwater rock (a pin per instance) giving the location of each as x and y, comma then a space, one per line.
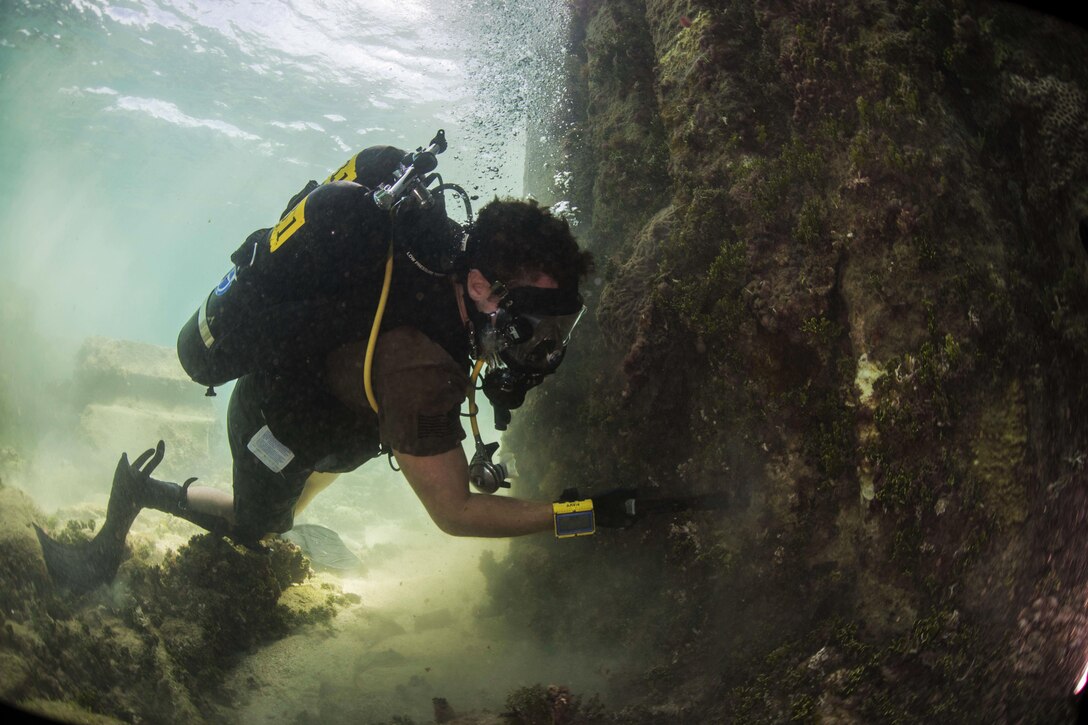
131, 393
551, 705
436, 619
861, 296
153, 645
623, 308
443, 712
107, 369
377, 659
22, 568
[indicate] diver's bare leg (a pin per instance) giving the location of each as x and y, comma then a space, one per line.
211, 501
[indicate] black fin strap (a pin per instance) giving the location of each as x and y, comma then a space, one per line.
183, 497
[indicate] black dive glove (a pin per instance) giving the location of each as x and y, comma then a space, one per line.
616, 508
613, 509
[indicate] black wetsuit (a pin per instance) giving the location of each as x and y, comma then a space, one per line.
306, 288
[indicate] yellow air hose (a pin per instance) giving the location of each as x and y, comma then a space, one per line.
367, 363
472, 409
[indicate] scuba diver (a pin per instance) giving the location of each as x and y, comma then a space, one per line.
358, 325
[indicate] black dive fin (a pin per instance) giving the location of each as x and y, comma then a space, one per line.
323, 546
81, 566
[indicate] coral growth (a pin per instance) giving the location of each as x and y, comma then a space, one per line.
153, 645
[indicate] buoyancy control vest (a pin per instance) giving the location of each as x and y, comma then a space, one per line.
310, 283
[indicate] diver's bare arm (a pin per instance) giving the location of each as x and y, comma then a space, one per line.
441, 482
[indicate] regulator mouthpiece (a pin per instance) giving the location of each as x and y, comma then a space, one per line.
485, 475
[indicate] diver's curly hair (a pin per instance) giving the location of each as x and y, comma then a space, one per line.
512, 239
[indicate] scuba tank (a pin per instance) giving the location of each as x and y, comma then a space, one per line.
313, 281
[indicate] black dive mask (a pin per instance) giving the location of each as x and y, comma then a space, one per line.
530, 329
525, 339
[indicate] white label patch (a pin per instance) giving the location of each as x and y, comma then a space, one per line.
269, 450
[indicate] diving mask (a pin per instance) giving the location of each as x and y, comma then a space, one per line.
543, 350
530, 329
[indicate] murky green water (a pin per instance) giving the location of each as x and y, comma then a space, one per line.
143, 140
